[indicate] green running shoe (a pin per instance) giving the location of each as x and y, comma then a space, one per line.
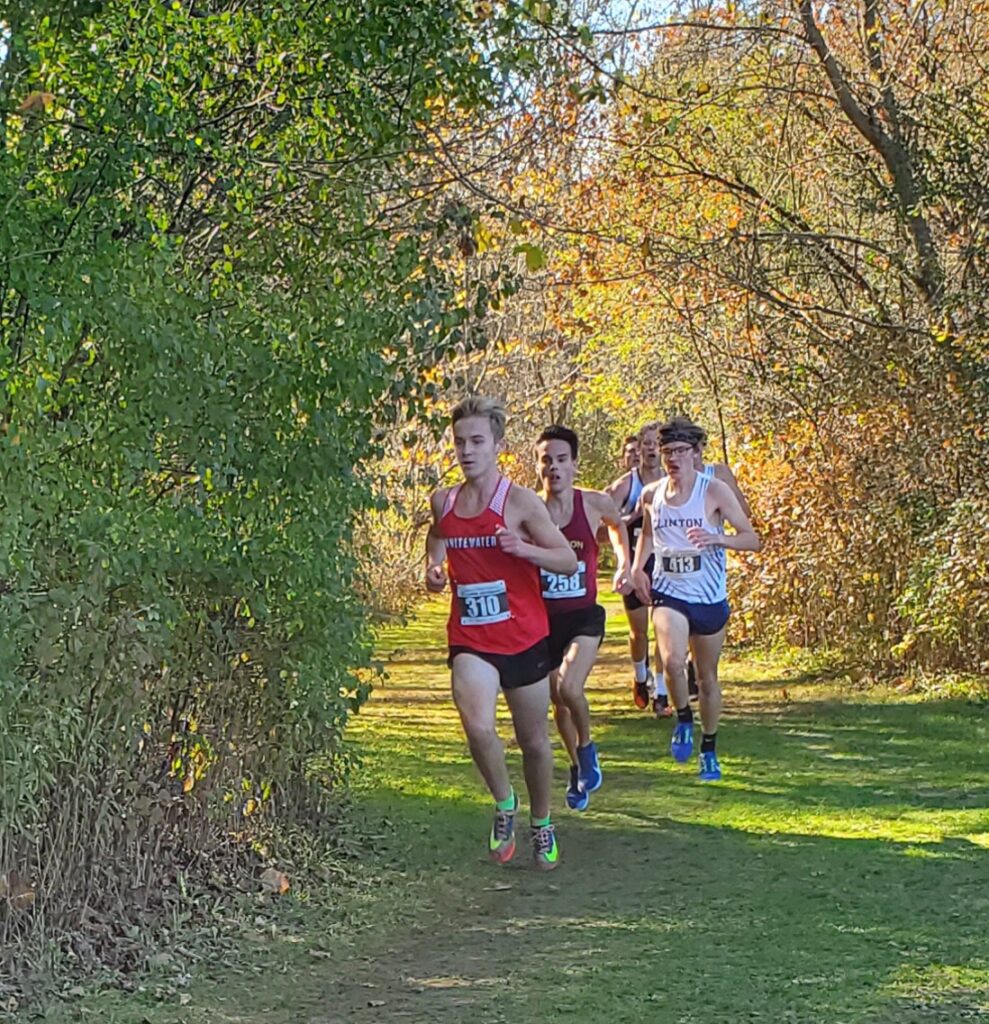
501, 843
545, 852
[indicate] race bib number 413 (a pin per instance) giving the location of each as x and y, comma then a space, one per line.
483, 604
557, 586
680, 563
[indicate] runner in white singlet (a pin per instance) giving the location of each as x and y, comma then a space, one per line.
687, 513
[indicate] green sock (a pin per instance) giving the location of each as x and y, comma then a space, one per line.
540, 822
508, 804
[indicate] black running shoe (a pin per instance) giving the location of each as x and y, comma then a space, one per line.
641, 691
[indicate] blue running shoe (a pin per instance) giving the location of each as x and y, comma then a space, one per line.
682, 743
710, 769
589, 771
577, 799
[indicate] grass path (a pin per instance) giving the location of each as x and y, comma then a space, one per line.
840, 873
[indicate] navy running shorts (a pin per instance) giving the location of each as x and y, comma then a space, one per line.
703, 619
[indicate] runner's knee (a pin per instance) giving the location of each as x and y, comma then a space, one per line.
707, 681
533, 738
570, 690
479, 731
554, 687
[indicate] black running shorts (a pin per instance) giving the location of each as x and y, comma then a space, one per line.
630, 601
514, 670
567, 626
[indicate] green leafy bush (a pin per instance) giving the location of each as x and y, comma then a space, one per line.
216, 279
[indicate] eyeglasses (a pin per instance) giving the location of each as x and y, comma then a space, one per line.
677, 451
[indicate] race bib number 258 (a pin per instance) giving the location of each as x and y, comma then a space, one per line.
557, 586
483, 604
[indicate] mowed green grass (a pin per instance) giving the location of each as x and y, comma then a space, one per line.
838, 874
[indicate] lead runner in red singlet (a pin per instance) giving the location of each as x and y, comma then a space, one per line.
493, 537
576, 620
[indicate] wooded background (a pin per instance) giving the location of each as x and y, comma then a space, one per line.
251, 251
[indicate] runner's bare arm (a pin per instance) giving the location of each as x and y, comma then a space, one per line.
723, 473
726, 507
640, 580
436, 546
525, 514
619, 490
609, 515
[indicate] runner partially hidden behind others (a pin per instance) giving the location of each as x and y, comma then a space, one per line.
685, 513
626, 492
492, 537
576, 620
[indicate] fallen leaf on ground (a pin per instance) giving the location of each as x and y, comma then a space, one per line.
274, 881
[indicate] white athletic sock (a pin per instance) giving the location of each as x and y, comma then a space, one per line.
641, 672
660, 687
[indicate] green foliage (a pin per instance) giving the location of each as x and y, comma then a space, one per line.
946, 598
216, 280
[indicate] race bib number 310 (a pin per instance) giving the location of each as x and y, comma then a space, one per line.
557, 586
483, 604
680, 563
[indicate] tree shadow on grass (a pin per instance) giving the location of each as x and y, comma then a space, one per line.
830, 878
675, 902
662, 920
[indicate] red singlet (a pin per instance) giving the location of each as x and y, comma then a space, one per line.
580, 590
496, 606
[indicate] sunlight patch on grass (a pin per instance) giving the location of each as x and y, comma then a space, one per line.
453, 982
900, 826
926, 853
633, 925
627, 821
433, 789
943, 980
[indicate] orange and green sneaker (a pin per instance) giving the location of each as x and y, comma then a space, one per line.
545, 851
501, 842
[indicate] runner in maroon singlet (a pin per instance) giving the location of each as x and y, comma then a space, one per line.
576, 620
493, 537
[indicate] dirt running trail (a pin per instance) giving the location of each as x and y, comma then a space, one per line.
837, 874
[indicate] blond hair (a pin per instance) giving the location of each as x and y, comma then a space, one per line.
479, 405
